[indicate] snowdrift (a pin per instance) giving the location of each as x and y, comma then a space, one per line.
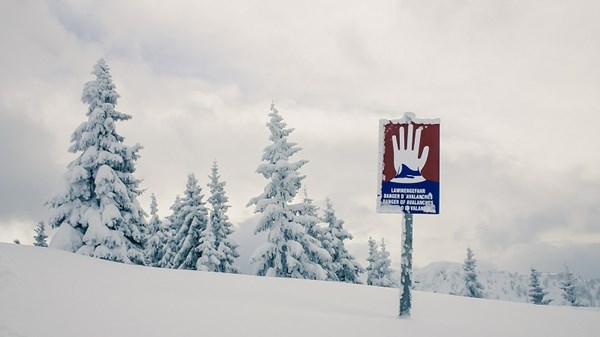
52, 293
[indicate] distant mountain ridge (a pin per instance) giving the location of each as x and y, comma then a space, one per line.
447, 278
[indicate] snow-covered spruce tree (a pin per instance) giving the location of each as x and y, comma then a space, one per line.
385, 277
288, 250
157, 236
344, 265
171, 228
474, 288
190, 216
568, 287
210, 258
373, 258
307, 214
222, 228
379, 272
536, 293
39, 239
308, 208
99, 214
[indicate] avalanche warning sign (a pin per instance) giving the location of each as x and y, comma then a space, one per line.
409, 166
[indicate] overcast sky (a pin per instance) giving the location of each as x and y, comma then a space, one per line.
514, 83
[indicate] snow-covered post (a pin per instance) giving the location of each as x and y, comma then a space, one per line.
406, 253
409, 172
406, 266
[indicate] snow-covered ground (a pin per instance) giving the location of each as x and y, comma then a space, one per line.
51, 293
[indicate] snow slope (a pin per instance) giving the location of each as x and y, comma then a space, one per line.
51, 293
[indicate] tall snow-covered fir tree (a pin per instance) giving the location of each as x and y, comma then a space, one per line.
157, 236
536, 293
473, 287
568, 287
289, 250
220, 225
344, 265
99, 214
189, 218
39, 239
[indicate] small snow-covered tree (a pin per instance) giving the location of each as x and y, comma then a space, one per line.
17, 241
210, 258
307, 214
568, 287
98, 214
344, 265
171, 228
288, 250
474, 288
39, 239
222, 228
373, 258
383, 266
157, 236
379, 271
536, 292
190, 217
308, 208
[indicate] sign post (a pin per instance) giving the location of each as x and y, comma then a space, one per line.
406, 266
409, 157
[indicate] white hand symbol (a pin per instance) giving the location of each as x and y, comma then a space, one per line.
408, 156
